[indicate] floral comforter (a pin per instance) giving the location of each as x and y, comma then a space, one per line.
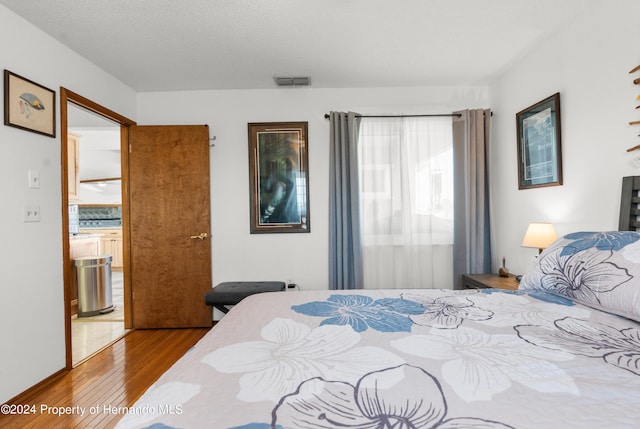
403, 359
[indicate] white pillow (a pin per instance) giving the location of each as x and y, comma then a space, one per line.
597, 269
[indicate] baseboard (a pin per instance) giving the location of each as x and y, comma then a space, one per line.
22, 398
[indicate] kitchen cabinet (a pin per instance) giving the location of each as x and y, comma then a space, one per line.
73, 166
84, 246
111, 244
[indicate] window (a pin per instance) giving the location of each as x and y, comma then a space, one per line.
406, 200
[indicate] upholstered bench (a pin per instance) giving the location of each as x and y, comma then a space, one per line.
231, 293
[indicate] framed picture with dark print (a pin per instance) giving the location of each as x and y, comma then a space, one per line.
28, 105
539, 144
279, 177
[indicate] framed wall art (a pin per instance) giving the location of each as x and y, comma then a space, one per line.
539, 144
28, 105
279, 177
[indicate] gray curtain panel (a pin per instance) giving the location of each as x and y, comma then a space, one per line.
345, 237
472, 231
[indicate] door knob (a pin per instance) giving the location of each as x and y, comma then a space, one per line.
201, 236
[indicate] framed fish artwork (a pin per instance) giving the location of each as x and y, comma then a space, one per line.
28, 105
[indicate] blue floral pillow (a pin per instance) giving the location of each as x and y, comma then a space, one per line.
598, 269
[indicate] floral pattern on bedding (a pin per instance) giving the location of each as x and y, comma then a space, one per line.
582, 276
289, 352
394, 315
598, 269
620, 348
518, 308
448, 312
613, 240
478, 365
400, 397
361, 312
481, 359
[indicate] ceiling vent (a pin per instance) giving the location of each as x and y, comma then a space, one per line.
292, 81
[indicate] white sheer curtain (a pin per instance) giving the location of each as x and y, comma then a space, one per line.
406, 198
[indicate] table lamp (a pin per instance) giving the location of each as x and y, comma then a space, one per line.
539, 235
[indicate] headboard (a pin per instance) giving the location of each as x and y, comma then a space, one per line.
629, 201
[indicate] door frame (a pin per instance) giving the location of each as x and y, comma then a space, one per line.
67, 96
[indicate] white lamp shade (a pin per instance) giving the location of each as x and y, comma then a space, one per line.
539, 235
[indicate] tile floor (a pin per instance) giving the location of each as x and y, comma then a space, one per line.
91, 334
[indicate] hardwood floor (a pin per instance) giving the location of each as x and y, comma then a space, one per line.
115, 377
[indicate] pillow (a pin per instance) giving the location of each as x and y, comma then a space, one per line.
597, 269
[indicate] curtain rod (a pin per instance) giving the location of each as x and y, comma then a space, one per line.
457, 115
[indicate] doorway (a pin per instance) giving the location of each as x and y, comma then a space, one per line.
95, 196
95, 136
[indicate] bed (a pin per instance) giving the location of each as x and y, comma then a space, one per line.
562, 351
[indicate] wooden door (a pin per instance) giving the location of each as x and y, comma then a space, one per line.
169, 205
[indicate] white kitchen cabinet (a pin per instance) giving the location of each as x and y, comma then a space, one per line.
111, 244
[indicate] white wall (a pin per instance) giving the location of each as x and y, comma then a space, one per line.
31, 289
302, 258
588, 62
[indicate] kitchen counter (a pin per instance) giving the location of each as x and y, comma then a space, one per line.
84, 235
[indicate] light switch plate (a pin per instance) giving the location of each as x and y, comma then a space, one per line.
34, 179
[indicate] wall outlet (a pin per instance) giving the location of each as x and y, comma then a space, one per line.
32, 213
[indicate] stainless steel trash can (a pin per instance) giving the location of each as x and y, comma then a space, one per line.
93, 275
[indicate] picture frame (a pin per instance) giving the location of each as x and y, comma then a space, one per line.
540, 144
28, 105
279, 177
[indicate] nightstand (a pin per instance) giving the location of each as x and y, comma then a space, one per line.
483, 281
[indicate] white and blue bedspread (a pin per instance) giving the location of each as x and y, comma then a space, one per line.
403, 359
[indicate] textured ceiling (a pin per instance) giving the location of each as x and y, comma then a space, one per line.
162, 45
